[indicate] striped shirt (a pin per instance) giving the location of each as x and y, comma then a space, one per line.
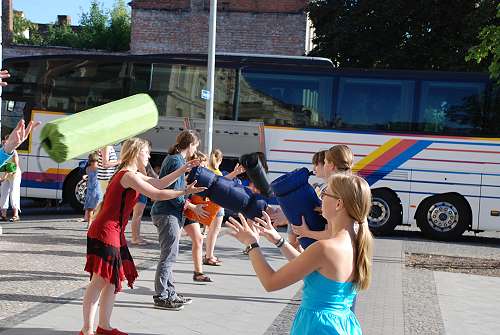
106, 173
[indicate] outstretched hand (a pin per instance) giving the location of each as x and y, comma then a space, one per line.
19, 135
192, 188
238, 169
242, 231
302, 230
4, 74
191, 164
265, 228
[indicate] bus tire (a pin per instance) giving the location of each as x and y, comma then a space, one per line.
444, 217
386, 212
74, 190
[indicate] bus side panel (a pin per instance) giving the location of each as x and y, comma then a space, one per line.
490, 203
42, 178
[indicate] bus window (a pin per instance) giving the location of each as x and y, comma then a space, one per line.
176, 90
451, 108
284, 99
492, 120
24, 77
74, 85
374, 104
140, 76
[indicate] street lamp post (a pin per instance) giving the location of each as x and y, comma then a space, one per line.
209, 110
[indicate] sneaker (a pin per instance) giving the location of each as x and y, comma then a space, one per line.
182, 300
168, 304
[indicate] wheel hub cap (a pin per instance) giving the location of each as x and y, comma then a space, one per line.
379, 213
442, 216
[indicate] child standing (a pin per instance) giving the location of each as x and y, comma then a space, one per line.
93, 195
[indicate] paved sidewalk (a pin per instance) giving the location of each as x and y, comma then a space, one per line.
41, 289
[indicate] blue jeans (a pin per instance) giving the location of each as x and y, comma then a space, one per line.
169, 227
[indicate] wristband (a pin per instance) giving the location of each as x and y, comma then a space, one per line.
280, 243
251, 246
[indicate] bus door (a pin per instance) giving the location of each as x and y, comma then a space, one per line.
489, 210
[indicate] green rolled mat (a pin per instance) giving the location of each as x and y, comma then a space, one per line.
8, 167
86, 131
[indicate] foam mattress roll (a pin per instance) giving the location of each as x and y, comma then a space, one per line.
86, 131
298, 199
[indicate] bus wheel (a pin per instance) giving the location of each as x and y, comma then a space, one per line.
74, 190
444, 216
386, 212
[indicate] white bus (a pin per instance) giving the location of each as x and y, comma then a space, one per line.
427, 142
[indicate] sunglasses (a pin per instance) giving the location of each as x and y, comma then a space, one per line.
324, 193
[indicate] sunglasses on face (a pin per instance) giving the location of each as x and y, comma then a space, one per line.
324, 193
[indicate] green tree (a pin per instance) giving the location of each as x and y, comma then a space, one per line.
21, 25
399, 34
488, 50
61, 36
119, 27
93, 33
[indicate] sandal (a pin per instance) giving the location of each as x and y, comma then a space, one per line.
211, 261
201, 277
14, 219
3, 217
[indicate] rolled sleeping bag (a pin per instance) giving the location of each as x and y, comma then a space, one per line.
86, 131
297, 198
227, 193
210, 207
256, 173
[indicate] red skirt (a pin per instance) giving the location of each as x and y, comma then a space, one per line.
111, 263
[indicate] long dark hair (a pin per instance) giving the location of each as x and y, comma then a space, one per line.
184, 139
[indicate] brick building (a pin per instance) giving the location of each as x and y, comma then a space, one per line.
252, 26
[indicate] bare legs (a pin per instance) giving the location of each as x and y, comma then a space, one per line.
194, 232
213, 232
136, 223
98, 293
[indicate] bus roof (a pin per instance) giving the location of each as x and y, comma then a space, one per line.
229, 59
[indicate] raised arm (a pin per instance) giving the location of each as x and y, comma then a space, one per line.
309, 261
134, 180
171, 177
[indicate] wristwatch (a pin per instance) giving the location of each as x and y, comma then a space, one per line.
251, 246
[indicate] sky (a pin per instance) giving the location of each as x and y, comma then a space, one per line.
47, 11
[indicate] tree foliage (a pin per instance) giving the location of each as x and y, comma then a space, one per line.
488, 50
399, 34
98, 30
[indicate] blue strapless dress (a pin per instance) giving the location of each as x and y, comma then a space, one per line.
326, 308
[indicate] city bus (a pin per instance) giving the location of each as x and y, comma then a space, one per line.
427, 142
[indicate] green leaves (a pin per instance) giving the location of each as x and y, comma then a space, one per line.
98, 30
400, 34
488, 50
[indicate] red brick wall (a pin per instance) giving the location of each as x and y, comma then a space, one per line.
162, 31
161, 4
262, 6
29, 50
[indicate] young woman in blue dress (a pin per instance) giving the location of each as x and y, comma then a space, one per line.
333, 269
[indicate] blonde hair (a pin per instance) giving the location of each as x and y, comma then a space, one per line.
215, 156
128, 154
341, 156
130, 151
357, 198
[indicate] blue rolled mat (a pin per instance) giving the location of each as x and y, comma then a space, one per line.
227, 193
297, 198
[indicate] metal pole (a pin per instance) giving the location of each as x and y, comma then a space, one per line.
209, 111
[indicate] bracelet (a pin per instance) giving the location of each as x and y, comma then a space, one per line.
280, 243
251, 246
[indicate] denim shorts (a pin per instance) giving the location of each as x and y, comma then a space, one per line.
143, 199
220, 213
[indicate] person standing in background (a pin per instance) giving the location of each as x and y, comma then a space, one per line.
106, 166
11, 188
